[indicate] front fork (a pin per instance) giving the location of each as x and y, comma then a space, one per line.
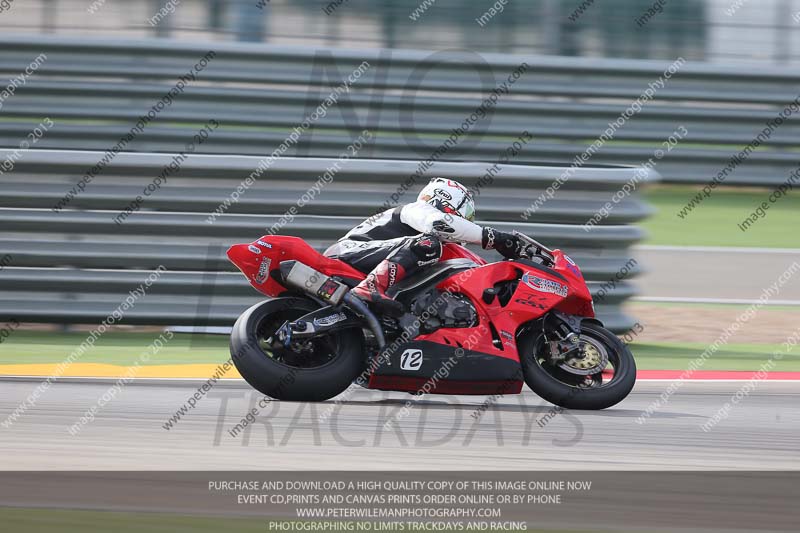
564, 335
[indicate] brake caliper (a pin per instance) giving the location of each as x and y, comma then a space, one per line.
567, 330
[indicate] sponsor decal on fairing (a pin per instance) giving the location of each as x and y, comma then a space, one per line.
263, 270
544, 285
572, 267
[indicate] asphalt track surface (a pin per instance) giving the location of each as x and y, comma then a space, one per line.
687, 274
438, 432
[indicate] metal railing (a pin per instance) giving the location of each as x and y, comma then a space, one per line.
95, 90
76, 264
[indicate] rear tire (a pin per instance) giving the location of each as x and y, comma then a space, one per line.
325, 369
541, 377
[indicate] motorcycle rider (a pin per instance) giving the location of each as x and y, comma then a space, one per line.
399, 241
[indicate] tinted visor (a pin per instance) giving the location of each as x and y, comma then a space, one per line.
446, 207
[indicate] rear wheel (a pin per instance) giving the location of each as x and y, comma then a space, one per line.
599, 373
307, 370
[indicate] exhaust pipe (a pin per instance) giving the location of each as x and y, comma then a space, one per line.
313, 282
303, 277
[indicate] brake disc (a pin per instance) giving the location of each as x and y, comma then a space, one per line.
589, 358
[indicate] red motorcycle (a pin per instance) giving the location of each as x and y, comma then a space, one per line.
468, 327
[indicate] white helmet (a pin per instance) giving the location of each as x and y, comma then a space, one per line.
449, 196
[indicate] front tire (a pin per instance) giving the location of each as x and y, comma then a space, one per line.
573, 391
312, 371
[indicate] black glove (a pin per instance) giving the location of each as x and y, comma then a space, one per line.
507, 244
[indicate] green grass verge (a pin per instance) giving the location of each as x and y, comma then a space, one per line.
714, 222
124, 348
115, 348
676, 356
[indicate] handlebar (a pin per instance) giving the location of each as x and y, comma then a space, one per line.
535, 249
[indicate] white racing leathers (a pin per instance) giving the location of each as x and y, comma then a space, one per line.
407, 233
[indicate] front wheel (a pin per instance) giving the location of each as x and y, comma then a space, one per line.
601, 373
311, 370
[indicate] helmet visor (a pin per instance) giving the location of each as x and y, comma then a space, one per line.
468, 211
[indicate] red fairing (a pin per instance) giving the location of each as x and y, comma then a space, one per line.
259, 259
479, 338
451, 250
526, 291
579, 300
539, 290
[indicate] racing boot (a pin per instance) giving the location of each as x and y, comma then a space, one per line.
372, 289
